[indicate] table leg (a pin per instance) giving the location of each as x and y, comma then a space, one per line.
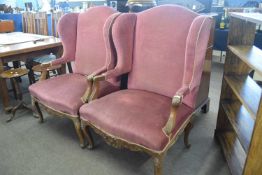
4, 90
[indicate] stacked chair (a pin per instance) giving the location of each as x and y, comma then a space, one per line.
162, 50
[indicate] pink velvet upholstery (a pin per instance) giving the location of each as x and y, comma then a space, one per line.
68, 37
159, 52
63, 93
197, 41
90, 51
123, 39
134, 115
120, 46
83, 41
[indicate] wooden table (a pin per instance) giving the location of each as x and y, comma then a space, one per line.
18, 46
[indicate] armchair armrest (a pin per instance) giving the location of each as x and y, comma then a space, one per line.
44, 69
96, 86
176, 101
93, 87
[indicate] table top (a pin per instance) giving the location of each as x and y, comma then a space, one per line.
13, 73
18, 42
251, 17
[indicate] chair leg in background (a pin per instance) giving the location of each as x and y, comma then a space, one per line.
205, 108
36, 108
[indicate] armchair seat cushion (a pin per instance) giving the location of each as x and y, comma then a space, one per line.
136, 116
63, 93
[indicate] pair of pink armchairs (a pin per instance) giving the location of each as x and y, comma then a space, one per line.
162, 50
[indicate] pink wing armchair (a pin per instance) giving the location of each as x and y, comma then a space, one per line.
85, 38
170, 43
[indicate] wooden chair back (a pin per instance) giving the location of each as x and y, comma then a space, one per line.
28, 22
55, 18
40, 19
35, 23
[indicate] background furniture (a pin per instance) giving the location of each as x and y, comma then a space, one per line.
28, 22
36, 23
18, 21
55, 18
6, 26
239, 122
13, 74
16, 18
21, 50
40, 19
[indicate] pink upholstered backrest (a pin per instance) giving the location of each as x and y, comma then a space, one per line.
67, 30
90, 45
159, 51
165, 37
83, 39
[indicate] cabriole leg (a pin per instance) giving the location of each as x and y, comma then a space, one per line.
88, 136
79, 132
187, 131
36, 108
158, 165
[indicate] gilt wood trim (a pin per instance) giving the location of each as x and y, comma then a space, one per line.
54, 111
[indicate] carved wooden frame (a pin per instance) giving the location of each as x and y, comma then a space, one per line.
75, 118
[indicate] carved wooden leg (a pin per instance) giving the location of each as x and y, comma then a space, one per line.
37, 109
79, 132
87, 135
13, 89
13, 111
187, 131
158, 165
205, 108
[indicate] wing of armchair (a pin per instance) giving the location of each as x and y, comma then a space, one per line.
123, 36
68, 37
195, 49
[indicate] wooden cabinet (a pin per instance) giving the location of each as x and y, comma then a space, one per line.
6, 26
239, 122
